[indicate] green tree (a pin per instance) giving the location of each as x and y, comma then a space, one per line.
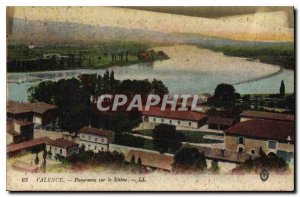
166, 138
188, 158
282, 89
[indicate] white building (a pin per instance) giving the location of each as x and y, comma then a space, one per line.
62, 147
95, 139
190, 119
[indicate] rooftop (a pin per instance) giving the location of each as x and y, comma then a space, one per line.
267, 129
155, 160
62, 143
95, 131
18, 108
179, 115
27, 144
268, 115
220, 120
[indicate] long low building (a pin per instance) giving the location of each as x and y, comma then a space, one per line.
190, 119
250, 115
271, 136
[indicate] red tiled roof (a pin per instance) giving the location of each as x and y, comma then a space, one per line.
179, 115
267, 129
154, 160
62, 143
220, 120
27, 144
95, 131
18, 108
268, 115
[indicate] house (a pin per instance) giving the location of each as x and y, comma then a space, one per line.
18, 131
191, 119
250, 115
151, 160
95, 139
39, 113
19, 148
219, 123
269, 135
62, 147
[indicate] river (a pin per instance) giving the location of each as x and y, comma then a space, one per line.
189, 70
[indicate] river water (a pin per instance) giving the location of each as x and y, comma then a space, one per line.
189, 70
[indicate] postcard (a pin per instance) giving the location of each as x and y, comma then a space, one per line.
150, 99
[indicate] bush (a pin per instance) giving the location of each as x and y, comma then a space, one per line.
189, 159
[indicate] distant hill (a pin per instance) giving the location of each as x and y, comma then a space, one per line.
28, 31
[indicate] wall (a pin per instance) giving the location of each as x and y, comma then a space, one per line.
183, 123
56, 150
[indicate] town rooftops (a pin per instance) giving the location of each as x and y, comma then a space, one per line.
220, 120
155, 160
266, 129
18, 108
62, 143
179, 115
28, 144
95, 131
268, 115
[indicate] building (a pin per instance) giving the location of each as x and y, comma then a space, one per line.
18, 131
62, 147
19, 148
150, 159
40, 113
95, 139
250, 115
271, 136
189, 119
219, 123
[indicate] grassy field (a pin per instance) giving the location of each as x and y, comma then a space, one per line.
190, 136
21, 58
282, 55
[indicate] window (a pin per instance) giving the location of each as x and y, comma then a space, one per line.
154, 119
190, 123
241, 140
162, 120
272, 144
170, 121
82, 136
102, 148
95, 148
50, 148
96, 139
252, 152
178, 122
60, 151
90, 138
102, 140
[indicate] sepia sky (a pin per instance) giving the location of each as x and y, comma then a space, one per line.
236, 23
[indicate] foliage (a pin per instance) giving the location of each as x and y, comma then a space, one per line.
214, 167
167, 138
37, 159
73, 98
282, 55
282, 89
269, 162
129, 140
189, 159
